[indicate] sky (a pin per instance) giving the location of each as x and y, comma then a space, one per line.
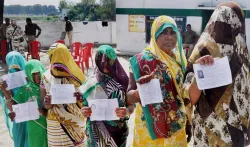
32, 2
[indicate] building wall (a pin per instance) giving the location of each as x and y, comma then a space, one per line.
92, 32
175, 4
134, 42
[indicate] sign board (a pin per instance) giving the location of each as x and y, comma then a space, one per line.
136, 23
180, 21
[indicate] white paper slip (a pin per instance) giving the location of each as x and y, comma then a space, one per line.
150, 93
103, 109
15, 80
217, 75
62, 94
26, 111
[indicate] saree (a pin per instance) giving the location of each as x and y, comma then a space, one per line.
222, 114
37, 132
102, 85
161, 124
18, 130
65, 122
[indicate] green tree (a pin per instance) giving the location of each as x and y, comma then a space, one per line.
88, 2
107, 10
63, 5
37, 9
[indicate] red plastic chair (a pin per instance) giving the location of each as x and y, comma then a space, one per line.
60, 41
3, 51
33, 50
88, 54
79, 59
75, 49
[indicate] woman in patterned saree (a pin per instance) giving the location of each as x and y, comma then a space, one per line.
161, 124
65, 122
18, 131
110, 80
222, 114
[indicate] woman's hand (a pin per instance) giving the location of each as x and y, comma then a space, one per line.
146, 79
205, 60
47, 101
42, 111
12, 116
121, 112
86, 111
3, 86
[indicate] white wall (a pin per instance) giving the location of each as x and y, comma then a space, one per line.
128, 42
196, 23
174, 4
134, 42
92, 32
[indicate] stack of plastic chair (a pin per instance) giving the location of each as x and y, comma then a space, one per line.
3, 52
79, 59
33, 50
75, 49
88, 48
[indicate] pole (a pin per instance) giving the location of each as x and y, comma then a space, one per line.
1, 11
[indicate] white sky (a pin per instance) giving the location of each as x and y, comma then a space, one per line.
32, 2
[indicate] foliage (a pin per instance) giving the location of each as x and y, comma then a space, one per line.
93, 12
30, 10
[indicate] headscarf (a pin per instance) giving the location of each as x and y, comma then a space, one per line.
106, 56
60, 58
223, 36
15, 61
32, 66
159, 25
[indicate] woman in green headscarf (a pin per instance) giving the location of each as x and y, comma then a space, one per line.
37, 132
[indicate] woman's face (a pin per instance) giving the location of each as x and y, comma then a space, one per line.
36, 77
167, 40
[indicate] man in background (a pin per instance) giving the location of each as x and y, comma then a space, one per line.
69, 29
3, 30
189, 39
30, 31
14, 35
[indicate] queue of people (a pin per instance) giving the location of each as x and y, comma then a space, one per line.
221, 115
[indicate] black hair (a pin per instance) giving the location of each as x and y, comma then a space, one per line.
28, 19
66, 18
189, 25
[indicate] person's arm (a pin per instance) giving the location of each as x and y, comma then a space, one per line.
39, 31
132, 92
25, 31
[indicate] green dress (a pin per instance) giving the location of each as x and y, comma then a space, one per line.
37, 133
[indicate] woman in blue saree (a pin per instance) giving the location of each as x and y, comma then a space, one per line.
18, 131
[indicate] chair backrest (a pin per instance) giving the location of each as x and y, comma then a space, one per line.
3, 46
88, 49
75, 48
60, 41
34, 46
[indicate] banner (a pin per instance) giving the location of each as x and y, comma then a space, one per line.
136, 23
